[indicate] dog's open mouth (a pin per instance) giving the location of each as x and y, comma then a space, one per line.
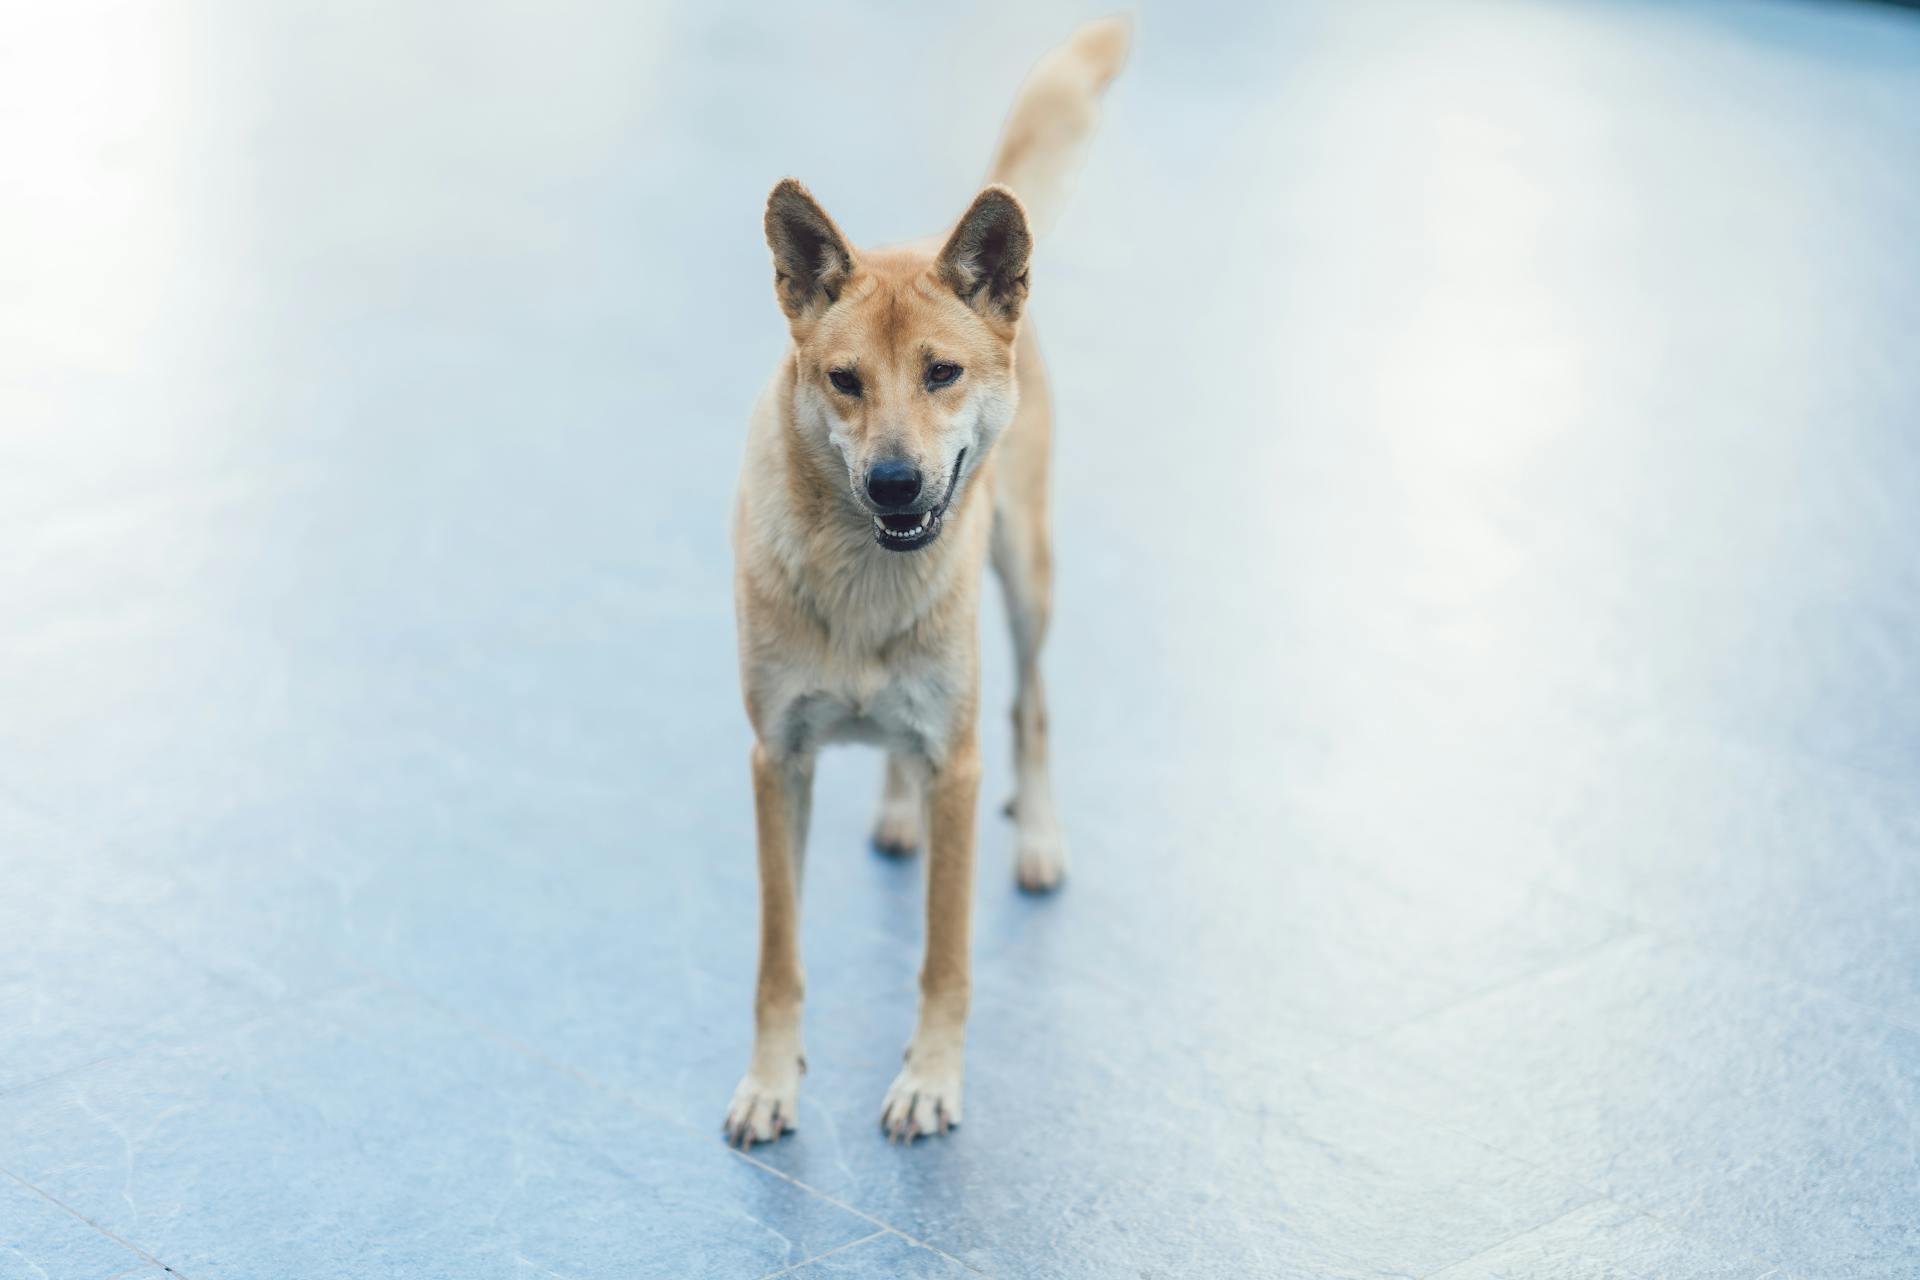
905, 530
911, 530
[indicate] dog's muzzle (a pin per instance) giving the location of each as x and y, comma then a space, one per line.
911, 530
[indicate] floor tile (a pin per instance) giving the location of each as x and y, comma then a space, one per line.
885, 1255
1717, 850
367, 1134
40, 1240
78, 984
1218, 1165
1687, 1087
1600, 1241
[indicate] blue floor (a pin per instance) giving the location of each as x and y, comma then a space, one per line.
1485, 677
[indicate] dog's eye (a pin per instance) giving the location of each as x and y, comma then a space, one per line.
942, 372
845, 382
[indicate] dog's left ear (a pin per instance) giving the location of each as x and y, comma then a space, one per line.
985, 260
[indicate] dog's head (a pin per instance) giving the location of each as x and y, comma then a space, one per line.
904, 360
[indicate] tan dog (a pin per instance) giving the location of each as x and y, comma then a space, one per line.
871, 493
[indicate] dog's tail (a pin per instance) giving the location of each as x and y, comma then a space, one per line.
1052, 120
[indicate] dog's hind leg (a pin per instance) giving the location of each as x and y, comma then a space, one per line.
1023, 559
901, 825
764, 1106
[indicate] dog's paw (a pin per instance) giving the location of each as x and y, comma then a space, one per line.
921, 1103
1039, 859
899, 830
762, 1110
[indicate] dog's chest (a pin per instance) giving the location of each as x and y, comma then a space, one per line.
907, 710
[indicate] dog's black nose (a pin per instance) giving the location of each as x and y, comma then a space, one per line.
893, 484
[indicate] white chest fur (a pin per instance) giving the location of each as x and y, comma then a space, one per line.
907, 708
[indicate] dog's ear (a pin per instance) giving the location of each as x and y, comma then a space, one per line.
811, 261
985, 260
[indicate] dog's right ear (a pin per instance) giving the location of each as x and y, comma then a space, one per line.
811, 261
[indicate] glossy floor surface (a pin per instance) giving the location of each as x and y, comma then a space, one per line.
1484, 675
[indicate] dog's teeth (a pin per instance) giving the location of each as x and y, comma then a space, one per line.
922, 524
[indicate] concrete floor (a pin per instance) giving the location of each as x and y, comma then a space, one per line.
1486, 676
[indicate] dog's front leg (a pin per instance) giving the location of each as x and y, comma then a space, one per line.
925, 1097
764, 1104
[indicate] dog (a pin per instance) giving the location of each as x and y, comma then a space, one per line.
902, 442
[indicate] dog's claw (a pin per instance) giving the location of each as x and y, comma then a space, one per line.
897, 1120
760, 1112
920, 1106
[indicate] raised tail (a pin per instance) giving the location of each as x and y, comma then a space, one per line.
1053, 117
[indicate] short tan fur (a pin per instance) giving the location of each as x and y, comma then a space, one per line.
902, 442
